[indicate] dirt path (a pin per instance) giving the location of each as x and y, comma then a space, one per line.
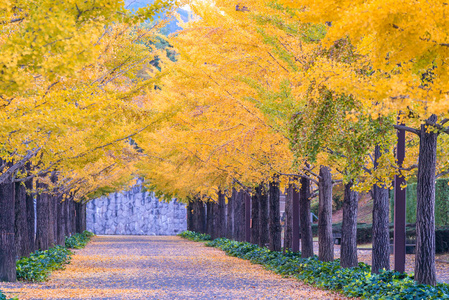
143, 267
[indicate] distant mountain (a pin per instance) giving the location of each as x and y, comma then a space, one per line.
172, 26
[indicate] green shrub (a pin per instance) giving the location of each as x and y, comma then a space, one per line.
195, 236
352, 282
78, 240
39, 265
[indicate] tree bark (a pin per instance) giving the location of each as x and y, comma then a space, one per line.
80, 208
230, 216
264, 216
21, 225
425, 269
73, 217
67, 222
255, 219
7, 235
325, 237
306, 225
30, 216
215, 221
43, 223
381, 223
60, 234
349, 228
275, 224
239, 217
221, 221
51, 220
288, 222
190, 226
209, 217
199, 216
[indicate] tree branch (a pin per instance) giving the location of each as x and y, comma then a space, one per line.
406, 128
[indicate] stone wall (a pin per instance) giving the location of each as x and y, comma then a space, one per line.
135, 212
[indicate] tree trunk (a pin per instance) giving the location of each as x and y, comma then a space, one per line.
190, 226
264, 216
215, 223
306, 225
288, 227
221, 215
67, 222
325, 237
255, 219
381, 226
275, 224
30, 216
239, 217
7, 235
51, 220
80, 208
21, 225
209, 217
60, 234
425, 269
201, 217
73, 217
230, 216
349, 228
43, 223
195, 215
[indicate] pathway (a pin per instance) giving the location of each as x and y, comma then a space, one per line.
145, 267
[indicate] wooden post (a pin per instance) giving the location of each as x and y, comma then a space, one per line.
399, 208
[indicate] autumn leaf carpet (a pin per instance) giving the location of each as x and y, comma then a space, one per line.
155, 267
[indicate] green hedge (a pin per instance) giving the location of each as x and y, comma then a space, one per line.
78, 240
441, 203
40, 264
195, 236
352, 282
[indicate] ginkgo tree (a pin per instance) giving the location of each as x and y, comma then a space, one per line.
402, 68
69, 93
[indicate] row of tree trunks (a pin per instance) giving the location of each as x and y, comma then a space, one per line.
19, 216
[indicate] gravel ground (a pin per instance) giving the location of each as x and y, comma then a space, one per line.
145, 267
